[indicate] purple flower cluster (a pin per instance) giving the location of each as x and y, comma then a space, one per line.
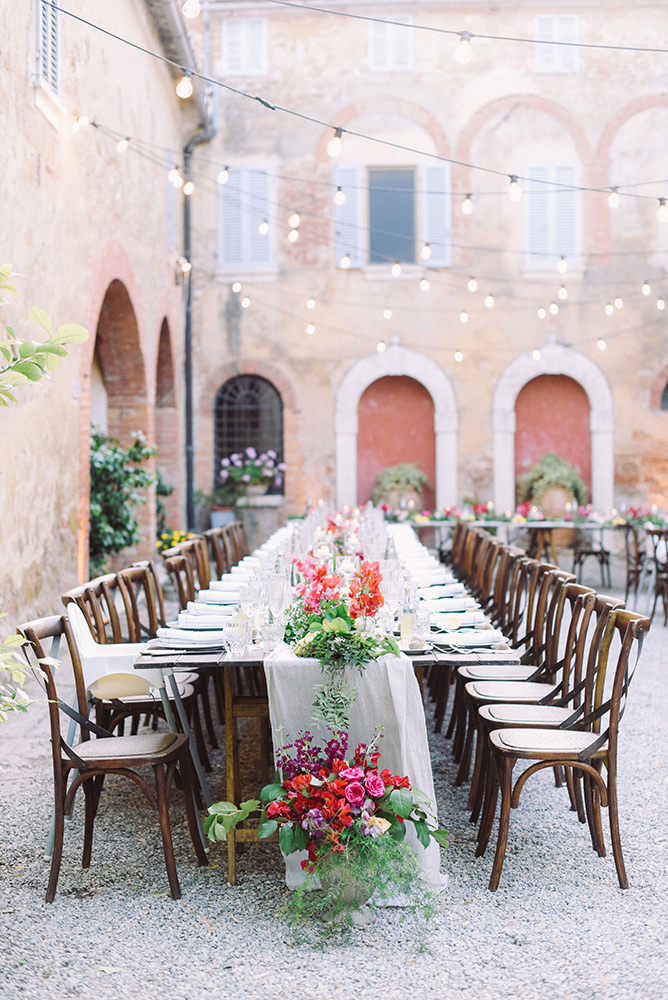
315, 823
307, 758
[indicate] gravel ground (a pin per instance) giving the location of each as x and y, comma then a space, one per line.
559, 927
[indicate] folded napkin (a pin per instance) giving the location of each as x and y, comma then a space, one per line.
218, 597
441, 620
433, 593
225, 584
188, 638
188, 620
448, 604
474, 637
221, 610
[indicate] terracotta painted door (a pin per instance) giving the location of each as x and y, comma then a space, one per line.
552, 414
396, 424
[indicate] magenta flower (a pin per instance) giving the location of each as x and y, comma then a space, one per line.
355, 793
352, 773
374, 785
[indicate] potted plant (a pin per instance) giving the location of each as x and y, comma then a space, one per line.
551, 483
400, 484
248, 473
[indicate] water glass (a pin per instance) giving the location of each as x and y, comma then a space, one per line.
236, 636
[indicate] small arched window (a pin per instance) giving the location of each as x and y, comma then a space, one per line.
664, 397
248, 412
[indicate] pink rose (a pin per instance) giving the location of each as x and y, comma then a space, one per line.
355, 793
352, 774
375, 786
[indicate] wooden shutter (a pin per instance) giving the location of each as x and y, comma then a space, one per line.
569, 25
557, 58
391, 45
349, 230
566, 221
233, 47
402, 38
245, 46
256, 210
436, 212
551, 214
256, 47
379, 45
537, 216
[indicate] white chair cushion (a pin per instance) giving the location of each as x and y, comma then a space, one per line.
492, 672
509, 690
524, 715
540, 741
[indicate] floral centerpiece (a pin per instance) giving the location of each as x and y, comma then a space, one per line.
349, 817
248, 468
168, 539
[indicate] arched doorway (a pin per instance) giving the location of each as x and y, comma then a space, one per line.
396, 360
537, 431
119, 360
396, 424
554, 360
167, 430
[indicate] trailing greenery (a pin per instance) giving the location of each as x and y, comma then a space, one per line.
399, 479
551, 470
116, 476
23, 362
162, 489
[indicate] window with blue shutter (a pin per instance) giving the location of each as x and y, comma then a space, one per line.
551, 215
557, 58
47, 46
244, 46
243, 205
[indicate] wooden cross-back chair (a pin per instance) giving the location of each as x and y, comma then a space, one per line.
220, 549
88, 761
587, 745
196, 550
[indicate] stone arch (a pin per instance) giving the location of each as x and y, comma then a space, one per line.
555, 359
400, 107
396, 360
621, 116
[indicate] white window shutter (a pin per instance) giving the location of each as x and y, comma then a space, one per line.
436, 212
379, 45
537, 216
258, 249
229, 228
48, 46
545, 56
245, 50
233, 47
570, 32
403, 45
566, 222
349, 229
256, 47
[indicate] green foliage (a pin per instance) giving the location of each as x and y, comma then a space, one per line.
162, 489
22, 362
223, 816
551, 470
116, 476
398, 479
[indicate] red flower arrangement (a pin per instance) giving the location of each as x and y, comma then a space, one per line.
364, 592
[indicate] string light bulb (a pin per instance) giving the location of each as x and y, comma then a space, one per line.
223, 175
381, 346
396, 269
464, 52
293, 235
562, 265
263, 228
563, 293
335, 144
613, 198
236, 287
535, 354
514, 189
245, 302
542, 313
294, 220
387, 314
459, 356
188, 187
184, 88
310, 328
345, 261
554, 308
310, 303
467, 204
174, 177
424, 284
646, 288
609, 309
122, 145
339, 196
618, 303
425, 252
660, 304
601, 344
185, 265
489, 301
191, 9
463, 317
662, 211
472, 284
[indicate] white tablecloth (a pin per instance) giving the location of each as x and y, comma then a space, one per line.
387, 695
